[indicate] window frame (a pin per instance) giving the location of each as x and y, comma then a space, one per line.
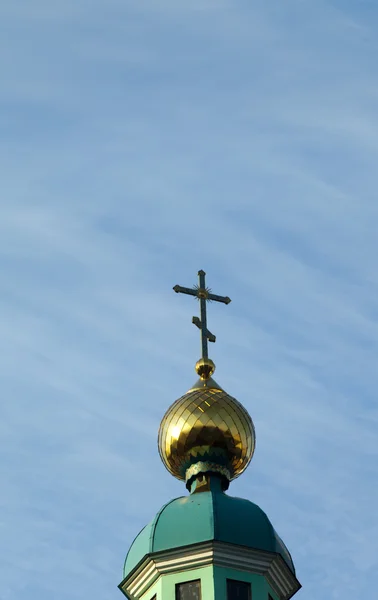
248, 583
185, 582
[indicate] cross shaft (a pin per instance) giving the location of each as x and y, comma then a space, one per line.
203, 294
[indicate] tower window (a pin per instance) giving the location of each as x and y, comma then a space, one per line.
190, 590
238, 590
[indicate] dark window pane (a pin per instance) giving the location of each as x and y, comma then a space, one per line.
190, 590
238, 590
153, 597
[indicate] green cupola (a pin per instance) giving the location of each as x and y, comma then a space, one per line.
208, 545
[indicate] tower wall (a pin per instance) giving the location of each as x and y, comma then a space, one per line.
213, 584
211, 564
259, 586
205, 574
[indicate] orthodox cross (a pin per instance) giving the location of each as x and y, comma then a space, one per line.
203, 294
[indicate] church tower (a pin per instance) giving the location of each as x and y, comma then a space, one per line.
208, 545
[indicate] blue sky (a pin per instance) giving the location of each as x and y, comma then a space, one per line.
142, 141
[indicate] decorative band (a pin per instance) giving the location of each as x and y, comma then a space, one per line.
205, 467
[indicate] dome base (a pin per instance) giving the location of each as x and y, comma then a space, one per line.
208, 482
211, 563
202, 474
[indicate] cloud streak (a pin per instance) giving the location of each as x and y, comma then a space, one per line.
141, 142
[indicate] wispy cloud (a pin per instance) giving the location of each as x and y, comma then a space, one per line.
140, 142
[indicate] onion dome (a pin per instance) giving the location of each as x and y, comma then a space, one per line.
206, 430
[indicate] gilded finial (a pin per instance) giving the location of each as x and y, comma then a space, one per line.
205, 366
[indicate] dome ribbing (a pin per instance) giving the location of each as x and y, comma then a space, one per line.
207, 516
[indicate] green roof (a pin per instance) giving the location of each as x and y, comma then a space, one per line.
203, 517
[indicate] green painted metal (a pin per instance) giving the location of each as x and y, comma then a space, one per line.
139, 548
207, 516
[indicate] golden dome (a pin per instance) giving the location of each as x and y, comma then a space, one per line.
206, 430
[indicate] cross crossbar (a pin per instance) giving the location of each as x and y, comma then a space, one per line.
203, 294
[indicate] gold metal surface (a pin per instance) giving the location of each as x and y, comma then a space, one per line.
205, 368
206, 418
203, 293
